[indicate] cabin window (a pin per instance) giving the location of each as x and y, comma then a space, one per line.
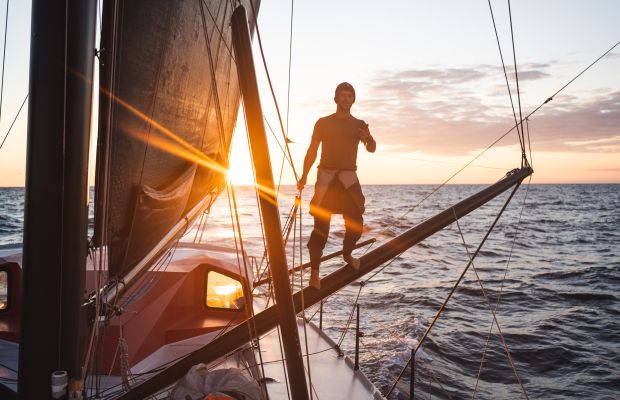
224, 292
4, 290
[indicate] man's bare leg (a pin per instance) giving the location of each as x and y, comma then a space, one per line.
316, 244
353, 223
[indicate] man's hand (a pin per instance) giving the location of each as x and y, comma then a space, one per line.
301, 183
364, 134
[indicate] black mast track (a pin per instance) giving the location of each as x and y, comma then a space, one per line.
55, 221
269, 318
107, 54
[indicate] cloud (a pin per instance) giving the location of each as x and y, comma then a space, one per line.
442, 111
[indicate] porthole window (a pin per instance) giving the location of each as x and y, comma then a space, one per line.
224, 292
4, 290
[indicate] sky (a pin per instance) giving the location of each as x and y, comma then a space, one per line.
429, 82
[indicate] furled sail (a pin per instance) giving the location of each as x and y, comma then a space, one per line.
169, 101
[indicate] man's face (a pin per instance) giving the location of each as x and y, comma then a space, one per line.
345, 99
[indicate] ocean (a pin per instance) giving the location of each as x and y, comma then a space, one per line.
553, 261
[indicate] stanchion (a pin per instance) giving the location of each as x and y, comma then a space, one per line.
357, 340
412, 381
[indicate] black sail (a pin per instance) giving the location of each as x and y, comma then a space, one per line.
173, 97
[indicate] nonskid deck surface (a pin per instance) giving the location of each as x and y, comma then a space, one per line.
333, 377
9, 352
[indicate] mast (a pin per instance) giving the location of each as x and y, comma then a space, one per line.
107, 53
56, 201
268, 203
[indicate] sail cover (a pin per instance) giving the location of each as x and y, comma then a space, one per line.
172, 93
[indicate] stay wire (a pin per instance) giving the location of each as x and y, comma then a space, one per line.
214, 88
273, 95
303, 300
230, 52
6, 25
456, 284
501, 56
514, 55
290, 62
252, 330
550, 98
484, 294
529, 143
350, 319
514, 241
14, 119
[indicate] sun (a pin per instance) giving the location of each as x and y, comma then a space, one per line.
240, 170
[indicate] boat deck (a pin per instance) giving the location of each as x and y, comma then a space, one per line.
333, 377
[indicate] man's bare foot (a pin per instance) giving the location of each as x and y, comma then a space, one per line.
353, 262
315, 281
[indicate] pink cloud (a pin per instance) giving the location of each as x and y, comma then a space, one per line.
440, 111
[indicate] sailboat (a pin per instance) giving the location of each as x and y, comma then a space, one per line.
129, 312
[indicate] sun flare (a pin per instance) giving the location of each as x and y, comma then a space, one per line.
240, 170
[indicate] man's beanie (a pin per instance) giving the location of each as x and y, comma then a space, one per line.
344, 86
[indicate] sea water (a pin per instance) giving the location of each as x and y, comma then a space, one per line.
550, 270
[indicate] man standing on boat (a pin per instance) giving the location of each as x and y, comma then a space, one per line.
337, 189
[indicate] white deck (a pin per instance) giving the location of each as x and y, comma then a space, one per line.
333, 377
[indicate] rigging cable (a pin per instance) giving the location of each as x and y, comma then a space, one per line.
514, 55
290, 60
486, 297
14, 119
6, 25
284, 133
265, 255
501, 56
443, 306
253, 332
514, 241
529, 143
301, 283
214, 88
288, 99
230, 52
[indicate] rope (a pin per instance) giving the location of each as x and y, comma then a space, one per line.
503, 339
443, 306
